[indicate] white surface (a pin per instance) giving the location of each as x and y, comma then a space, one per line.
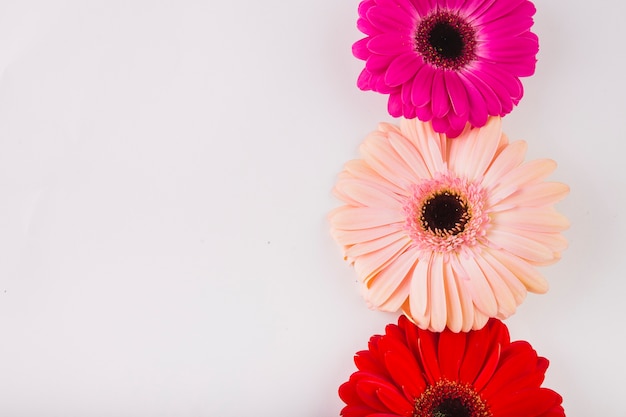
165, 175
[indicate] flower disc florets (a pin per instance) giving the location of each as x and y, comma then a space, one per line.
445, 40
445, 214
450, 399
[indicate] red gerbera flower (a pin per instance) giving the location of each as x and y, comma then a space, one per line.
412, 372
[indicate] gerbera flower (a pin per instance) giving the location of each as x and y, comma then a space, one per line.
417, 373
448, 230
448, 61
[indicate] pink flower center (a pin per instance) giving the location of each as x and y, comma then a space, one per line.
445, 40
445, 214
450, 399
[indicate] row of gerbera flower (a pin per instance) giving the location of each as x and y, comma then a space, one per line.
450, 231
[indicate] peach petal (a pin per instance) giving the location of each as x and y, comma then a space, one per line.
454, 308
540, 194
383, 159
418, 298
354, 218
476, 283
437, 298
555, 241
518, 290
381, 287
359, 169
518, 177
543, 220
465, 297
519, 245
388, 128
411, 156
352, 237
367, 266
398, 297
526, 273
482, 144
370, 246
430, 144
505, 298
507, 159
366, 193
480, 319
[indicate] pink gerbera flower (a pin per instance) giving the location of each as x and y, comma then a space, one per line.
447, 61
449, 231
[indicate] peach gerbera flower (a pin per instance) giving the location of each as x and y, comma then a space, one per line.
448, 230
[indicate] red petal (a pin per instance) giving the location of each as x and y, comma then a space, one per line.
427, 345
532, 402
451, 352
366, 361
488, 368
356, 411
406, 373
519, 369
367, 390
395, 401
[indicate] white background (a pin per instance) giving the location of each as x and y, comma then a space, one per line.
165, 176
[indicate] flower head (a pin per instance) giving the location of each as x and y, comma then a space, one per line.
448, 230
417, 373
449, 62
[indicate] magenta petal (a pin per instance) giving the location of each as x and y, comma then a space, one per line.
364, 6
424, 113
457, 124
366, 27
525, 62
457, 93
364, 80
394, 105
378, 84
359, 49
512, 84
453, 4
390, 44
422, 86
390, 19
378, 63
424, 7
501, 91
406, 89
478, 108
408, 111
519, 47
402, 69
475, 8
440, 99
405, 6
506, 28
494, 106
499, 9
440, 125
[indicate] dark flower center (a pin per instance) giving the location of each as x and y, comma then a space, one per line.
451, 407
445, 213
445, 40
450, 399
